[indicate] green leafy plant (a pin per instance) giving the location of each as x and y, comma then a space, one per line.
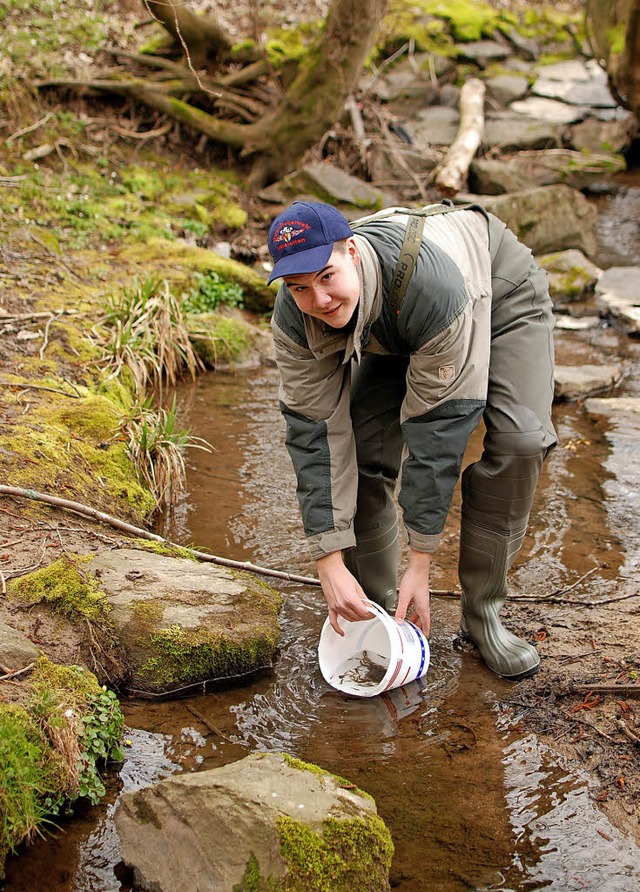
100, 742
52, 749
212, 292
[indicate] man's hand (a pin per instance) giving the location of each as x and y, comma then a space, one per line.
413, 597
342, 592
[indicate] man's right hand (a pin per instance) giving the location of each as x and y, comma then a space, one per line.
342, 591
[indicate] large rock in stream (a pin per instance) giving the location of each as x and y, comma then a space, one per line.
265, 822
550, 218
182, 622
618, 289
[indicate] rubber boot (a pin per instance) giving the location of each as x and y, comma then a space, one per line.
485, 558
374, 563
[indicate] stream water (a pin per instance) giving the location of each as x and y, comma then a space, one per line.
471, 803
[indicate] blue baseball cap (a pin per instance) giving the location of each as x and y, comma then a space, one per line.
301, 238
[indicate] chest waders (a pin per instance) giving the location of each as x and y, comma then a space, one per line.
498, 490
374, 559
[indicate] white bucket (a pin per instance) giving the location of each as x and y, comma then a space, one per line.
374, 655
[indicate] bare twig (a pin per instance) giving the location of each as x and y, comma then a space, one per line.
45, 341
17, 672
629, 690
22, 386
26, 316
628, 733
582, 721
87, 511
30, 129
208, 725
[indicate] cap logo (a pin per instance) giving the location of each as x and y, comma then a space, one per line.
286, 234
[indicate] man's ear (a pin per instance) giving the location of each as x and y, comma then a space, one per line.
353, 250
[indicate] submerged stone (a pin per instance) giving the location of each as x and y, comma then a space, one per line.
577, 382
618, 290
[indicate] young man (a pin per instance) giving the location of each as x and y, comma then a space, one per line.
393, 339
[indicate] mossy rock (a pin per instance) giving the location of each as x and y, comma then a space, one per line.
268, 823
177, 262
182, 622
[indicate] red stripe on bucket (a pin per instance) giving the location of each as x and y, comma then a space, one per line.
395, 675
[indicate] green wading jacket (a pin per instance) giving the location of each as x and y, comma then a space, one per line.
444, 327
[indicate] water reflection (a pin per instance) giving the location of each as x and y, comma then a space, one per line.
562, 841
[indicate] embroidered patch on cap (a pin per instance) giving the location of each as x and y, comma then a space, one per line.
447, 372
287, 234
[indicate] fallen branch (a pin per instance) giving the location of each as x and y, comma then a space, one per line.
94, 514
453, 171
17, 672
629, 690
21, 385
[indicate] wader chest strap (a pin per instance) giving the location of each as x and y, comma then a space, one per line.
408, 259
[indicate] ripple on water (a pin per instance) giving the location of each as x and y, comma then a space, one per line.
563, 842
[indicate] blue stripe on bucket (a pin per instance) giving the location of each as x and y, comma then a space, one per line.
423, 651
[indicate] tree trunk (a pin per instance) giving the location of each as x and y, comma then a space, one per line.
614, 31
278, 137
316, 98
199, 36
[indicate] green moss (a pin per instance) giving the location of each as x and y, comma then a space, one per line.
51, 748
320, 772
340, 856
185, 655
164, 548
177, 262
252, 881
70, 444
71, 591
32, 778
147, 612
221, 340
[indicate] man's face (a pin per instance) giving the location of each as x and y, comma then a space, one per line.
331, 293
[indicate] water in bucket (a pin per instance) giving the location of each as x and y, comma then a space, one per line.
373, 655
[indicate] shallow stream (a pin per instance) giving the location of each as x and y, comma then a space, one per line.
470, 801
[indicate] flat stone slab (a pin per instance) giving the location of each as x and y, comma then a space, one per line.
621, 405
546, 219
550, 110
577, 323
515, 132
434, 126
577, 382
182, 622
618, 288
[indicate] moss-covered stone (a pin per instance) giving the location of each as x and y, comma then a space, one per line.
220, 339
183, 656
70, 590
179, 261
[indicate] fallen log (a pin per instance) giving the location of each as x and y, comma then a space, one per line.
451, 175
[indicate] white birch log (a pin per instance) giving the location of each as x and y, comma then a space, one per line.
452, 173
